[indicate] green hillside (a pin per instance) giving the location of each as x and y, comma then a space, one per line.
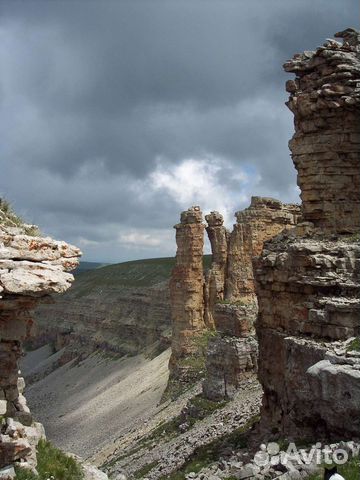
138, 273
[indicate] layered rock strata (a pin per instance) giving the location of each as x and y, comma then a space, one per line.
187, 292
30, 269
262, 220
232, 352
215, 281
324, 98
308, 279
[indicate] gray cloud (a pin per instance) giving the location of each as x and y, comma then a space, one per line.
97, 96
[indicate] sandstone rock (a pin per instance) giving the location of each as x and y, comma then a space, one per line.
262, 220
308, 281
228, 360
187, 291
325, 147
215, 284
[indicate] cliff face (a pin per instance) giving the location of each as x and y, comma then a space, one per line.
262, 220
30, 268
232, 353
308, 281
114, 319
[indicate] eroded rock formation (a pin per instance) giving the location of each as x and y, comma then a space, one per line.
187, 292
215, 281
308, 279
232, 352
220, 308
30, 269
262, 220
324, 98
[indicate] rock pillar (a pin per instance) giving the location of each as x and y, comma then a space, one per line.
324, 98
232, 352
215, 282
187, 294
308, 281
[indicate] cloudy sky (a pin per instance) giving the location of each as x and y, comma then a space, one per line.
117, 115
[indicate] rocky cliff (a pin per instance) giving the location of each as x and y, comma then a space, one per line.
31, 268
213, 312
308, 280
232, 352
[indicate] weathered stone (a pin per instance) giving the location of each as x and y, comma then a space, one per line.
325, 146
308, 280
215, 282
187, 291
262, 220
235, 317
30, 268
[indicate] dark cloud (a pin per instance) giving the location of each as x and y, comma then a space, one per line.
96, 96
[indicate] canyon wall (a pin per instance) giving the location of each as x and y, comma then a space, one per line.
112, 318
308, 279
31, 268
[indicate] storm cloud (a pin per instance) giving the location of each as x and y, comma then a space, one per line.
117, 115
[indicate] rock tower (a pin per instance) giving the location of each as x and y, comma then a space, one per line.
232, 352
187, 292
308, 280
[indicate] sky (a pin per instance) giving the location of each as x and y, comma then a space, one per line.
117, 115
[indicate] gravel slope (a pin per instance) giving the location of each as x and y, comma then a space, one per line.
85, 407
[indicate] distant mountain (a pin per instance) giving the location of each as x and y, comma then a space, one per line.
85, 266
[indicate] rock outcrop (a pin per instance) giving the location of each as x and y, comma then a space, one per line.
215, 281
30, 269
232, 353
262, 220
187, 293
308, 279
324, 98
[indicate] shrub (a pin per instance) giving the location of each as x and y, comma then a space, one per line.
52, 462
9, 218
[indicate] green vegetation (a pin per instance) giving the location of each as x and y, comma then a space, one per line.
8, 218
143, 471
52, 462
207, 454
136, 273
350, 470
238, 303
355, 237
354, 345
204, 406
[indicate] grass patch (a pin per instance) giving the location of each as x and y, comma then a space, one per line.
355, 237
350, 470
204, 405
9, 218
52, 462
143, 471
207, 454
238, 303
354, 345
